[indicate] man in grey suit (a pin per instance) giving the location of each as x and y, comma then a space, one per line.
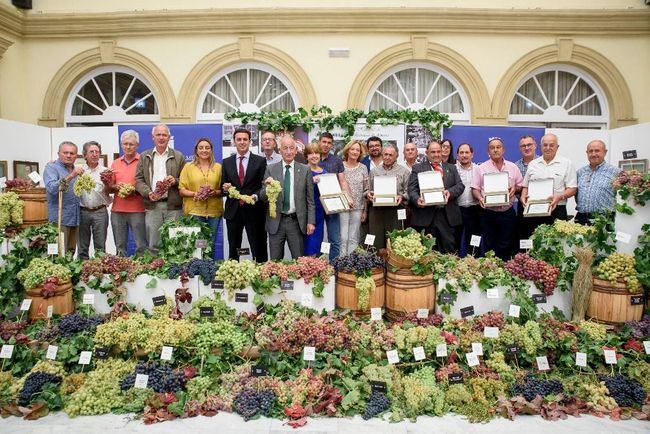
437, 220
295, 211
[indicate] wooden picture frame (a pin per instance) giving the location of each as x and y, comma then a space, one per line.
80, 161
24, 168
4, 169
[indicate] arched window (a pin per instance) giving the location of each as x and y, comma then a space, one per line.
250, 87
557, 96
418, 85
109, 95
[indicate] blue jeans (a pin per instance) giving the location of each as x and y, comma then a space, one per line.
333, 234
214, 223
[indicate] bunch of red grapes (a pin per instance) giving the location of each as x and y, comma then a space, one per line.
106, 176
204, 193
543, 274
163, 186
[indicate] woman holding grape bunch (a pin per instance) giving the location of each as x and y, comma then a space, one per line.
199, 188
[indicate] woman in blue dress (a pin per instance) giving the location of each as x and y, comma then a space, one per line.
313, 242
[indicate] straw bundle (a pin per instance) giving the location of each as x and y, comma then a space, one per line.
582, 283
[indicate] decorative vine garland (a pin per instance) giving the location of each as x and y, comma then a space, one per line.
322, 118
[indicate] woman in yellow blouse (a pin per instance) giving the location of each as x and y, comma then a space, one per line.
199, 188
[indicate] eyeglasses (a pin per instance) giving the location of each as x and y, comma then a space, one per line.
526, 145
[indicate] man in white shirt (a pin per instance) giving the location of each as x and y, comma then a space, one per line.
469, 207
565, 181
93, 218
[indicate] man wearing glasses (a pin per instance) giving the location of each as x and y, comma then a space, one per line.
528, 149
268, 148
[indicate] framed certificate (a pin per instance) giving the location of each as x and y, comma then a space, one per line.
334, 200
432, 188
495, 189
385, 188
540, 192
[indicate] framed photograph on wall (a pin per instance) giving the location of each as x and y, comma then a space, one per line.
23, 168
4, 173
80, 161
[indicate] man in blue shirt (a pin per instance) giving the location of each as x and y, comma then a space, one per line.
61, 172
332, 164
595, 193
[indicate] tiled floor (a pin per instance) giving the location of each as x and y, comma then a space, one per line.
225, 423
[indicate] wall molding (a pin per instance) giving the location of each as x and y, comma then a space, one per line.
314, 20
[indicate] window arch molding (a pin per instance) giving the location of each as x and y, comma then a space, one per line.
599, 68
419, 49
245, 50
107, 53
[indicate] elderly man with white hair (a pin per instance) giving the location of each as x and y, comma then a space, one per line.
161, 163
128, 206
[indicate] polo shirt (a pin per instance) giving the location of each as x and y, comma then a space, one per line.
124, 173
559, 168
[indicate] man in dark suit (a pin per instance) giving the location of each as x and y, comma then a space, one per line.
295, 211
245, 171
437, 220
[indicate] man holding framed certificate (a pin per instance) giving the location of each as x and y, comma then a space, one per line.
492, 182
433, 189
388, 185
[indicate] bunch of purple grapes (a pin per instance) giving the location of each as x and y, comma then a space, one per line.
357, 261
204, 193
163, 186
543, 274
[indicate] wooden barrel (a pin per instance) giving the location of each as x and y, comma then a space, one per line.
611, 303
34, 206
347, 295
406, 292
62, 301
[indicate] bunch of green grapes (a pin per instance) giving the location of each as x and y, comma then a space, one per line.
39, 270
219, 307
100, 393
237, 274
589, 389
273, 190
72, 383
417, 394
426, 337
571, 228
385, 373
198, 388
6, 386
485, 392
124, 190
11, 210
640, 371
465, 272
619, 266
528, 337
235, 194
222, 334
409, 246
84, 184
364, 286
596, 332
497, 362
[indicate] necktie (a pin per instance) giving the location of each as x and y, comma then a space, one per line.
286, 189
241, 171
437, 168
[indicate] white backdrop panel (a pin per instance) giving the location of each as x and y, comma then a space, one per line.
23, 142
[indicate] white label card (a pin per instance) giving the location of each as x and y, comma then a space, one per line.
401, 214
477, 348
392, 356
472, 359
50, 311
26, 304
141, 381
581, 359
441, 350
646, 345
525, 244
542, 363
51, 352
166, 353
84, 357
325, 247
610, 357
423, 313
307, 299
89, 299
309, 354
370, 240
491, 332
52, 249
418, 353
475, 241
6, 351
375, 314
623, 237
514, 311
35, 177
493, 293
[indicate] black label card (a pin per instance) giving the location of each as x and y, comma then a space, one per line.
241, 297
206, 311
217, 284
201, 244
378, 386
286, 285
260, 308
446, 298
259, 371
244, 252
455, 378
539, 298
512, 350
101, 353
628, 155
467, 311
636, 300
159, 300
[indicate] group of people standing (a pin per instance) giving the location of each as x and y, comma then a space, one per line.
198, 188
